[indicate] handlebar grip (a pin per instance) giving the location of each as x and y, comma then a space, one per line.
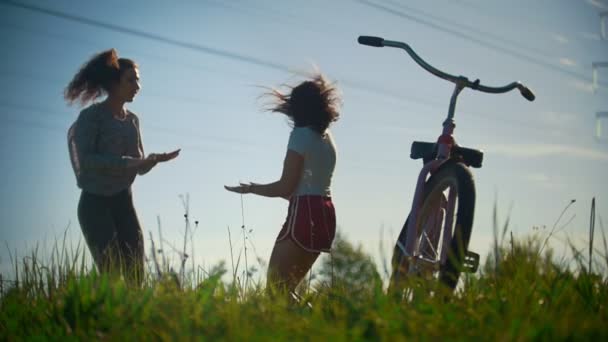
527, 93
371, 41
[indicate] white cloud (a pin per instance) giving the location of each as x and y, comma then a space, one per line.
560, 38
567, 61
546, 150
542, 180
537, 177
599, 4
582, 86
591, 36
557, 118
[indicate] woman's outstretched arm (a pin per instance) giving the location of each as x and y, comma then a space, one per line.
293, 167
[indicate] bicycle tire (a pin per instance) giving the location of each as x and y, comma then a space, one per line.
455, 173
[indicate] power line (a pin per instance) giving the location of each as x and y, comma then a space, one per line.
479, 7
150, 36
237, 145
35, 124
426, 103
461, 26
185, 147
432, 104
155, 127
63, 131
266, 9
348, 83
260, 9
473, 29
80, 41
240, 58
192, 46
153, 93
188, 45
469, 37
253, 60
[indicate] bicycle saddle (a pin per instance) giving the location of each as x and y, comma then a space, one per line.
428, 151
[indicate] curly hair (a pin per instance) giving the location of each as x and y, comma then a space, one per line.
312, 103
96, 76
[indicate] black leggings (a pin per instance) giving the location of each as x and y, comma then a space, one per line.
112, 232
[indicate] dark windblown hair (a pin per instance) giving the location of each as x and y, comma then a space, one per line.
312, 103
96, 76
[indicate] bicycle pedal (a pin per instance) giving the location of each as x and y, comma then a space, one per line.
471, 262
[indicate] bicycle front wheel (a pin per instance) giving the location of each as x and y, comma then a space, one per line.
443, 227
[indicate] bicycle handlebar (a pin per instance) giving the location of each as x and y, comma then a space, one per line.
461, 80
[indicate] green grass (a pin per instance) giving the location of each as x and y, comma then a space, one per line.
520, 293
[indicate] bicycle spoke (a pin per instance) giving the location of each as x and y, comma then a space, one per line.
430, 245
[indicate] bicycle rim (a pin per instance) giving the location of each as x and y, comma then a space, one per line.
444, 253
435, 226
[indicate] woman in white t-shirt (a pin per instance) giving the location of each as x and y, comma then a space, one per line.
310, 226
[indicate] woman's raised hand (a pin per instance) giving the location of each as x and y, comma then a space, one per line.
242, 188
163, 157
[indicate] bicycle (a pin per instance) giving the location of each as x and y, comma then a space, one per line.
439, 247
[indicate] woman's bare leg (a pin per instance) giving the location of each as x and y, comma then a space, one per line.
288, 264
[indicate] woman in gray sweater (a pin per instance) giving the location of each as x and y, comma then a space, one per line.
106, 152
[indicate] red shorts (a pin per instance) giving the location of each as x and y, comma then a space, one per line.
310, 223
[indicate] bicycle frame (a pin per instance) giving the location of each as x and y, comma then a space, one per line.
445, 145
445, 142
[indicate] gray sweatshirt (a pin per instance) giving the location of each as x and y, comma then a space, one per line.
100, 147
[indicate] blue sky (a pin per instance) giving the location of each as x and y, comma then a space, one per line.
538, 156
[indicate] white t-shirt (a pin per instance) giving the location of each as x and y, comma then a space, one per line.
319, 152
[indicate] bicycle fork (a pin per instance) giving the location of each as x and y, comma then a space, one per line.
445, 143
